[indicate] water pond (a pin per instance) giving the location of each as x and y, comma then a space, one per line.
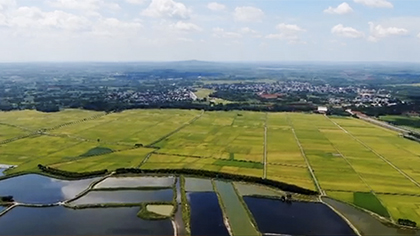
198, 185
38, 189
136, 182
125, 196
366, 223
206, 214
275, 216
65, 221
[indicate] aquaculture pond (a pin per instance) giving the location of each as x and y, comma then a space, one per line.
125, 196
214, 207
366, 223
206, 214
65, 221
296, 218
136, 182
38, 189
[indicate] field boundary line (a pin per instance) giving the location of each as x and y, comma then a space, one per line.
377, 154
311, 171
177, 129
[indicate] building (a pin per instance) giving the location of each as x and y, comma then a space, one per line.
322, 110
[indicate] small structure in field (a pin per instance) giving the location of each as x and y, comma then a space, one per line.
322, 110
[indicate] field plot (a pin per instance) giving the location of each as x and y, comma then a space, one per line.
404, 207
290, 174
403, 153
227, 135
159, 161
132, 127
32, 148
331, 170
408, 122
73, 152
35, 120
7, 132
129, 159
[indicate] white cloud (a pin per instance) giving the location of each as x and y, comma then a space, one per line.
186, 26
214, 6
87, 5
343, 8
221, 33
248, 14
136, 2
289, 28
375, 3
167, 9
418, 36
289, 32
6, 4
247, 30
112, 26
32, 17
378, 31
347, 32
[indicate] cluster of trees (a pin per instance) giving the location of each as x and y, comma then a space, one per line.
407, 222
68, 174
213, 174
6, 199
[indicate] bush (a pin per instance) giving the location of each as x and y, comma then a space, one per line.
6, 199
407, 222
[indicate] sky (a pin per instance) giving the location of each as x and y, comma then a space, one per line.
223, 30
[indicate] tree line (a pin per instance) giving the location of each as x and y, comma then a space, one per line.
213, 174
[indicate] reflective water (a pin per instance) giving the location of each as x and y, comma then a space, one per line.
65, 221
37, 189
365, 223
198, 185
297, 218
1, 171
136, 182
206, 215
125, 196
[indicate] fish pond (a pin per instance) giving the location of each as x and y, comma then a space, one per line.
65, 221
114, 205
125, 196
38, 189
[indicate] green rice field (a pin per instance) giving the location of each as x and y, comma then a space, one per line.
350, 158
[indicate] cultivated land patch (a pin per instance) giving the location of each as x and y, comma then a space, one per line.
35, 120
347, 155
133, 126
225, 135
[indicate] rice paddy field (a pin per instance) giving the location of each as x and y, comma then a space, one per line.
352, 160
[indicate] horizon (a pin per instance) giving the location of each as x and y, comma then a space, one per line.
215, 31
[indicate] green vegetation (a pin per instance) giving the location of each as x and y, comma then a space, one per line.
97, 151
147, 213
405, 121
347, 155
370, 202
203, 93
232, 208
186, 211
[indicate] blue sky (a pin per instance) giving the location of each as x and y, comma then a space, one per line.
224, 30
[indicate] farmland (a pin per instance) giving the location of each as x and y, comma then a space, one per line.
352, 161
